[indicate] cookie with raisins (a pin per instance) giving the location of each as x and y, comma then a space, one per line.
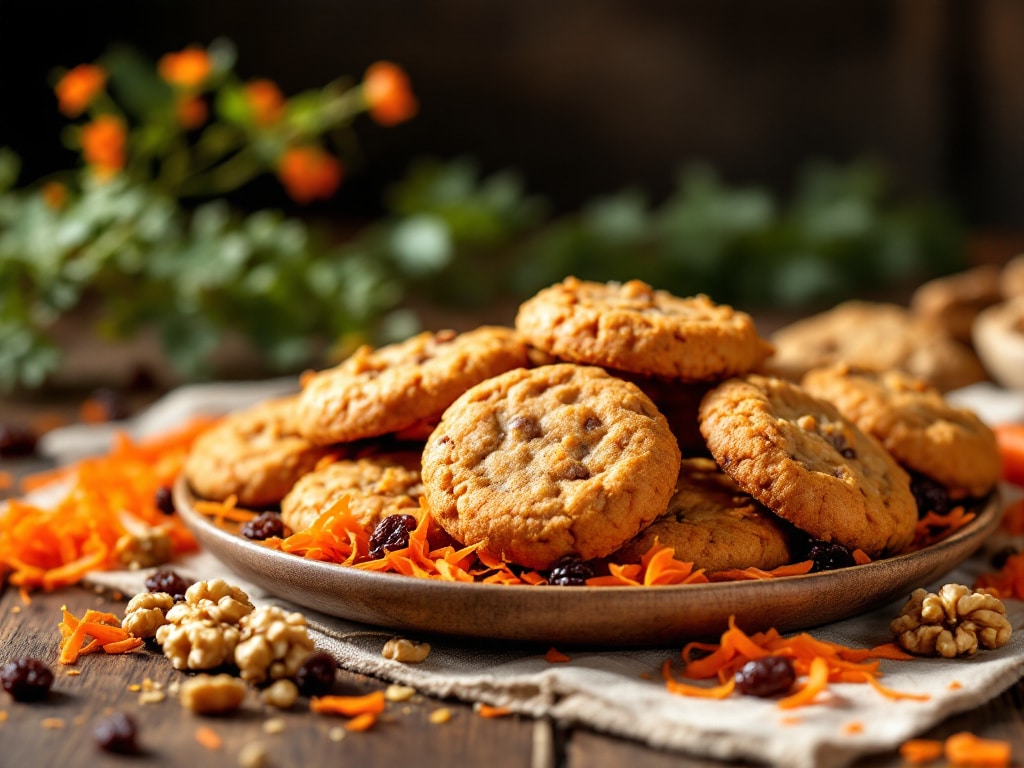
801, 458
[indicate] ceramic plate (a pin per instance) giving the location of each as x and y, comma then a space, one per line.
584, 616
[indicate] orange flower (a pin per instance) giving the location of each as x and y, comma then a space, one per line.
265, 101
191, 112
76, 90
103, 143
388, 93
185, 69
55, 194
308, 173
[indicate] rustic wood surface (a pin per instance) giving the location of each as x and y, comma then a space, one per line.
59, 730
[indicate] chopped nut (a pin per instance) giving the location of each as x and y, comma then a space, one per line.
202, 632
337, 733
399, 692
405, 651
217, 600
274, 725
152, 697
145, 548
210, 694
146, 612
281, 694
439, 716
253, 755
273, 644
953, 622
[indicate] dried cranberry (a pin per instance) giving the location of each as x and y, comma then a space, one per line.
391, 533
116, 733
570, 571
829, 556
316, 675
266, 525
929, 495
26, 679
164, 500
16, 441
766, 676
169, 582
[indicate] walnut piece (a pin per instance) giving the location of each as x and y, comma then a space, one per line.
953, 622
281, 694
273, 644
203, 631
146, 612
405, 651
212, 694
144, 548
217, 600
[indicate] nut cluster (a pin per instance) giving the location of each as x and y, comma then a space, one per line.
953, 622
145, 548
203, 631
273, 644
146, 613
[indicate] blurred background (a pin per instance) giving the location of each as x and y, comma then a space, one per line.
780, 156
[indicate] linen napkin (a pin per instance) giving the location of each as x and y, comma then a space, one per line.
620, 692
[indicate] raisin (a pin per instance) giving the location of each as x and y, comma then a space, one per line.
164, 500
315, 676
930, 495
828, 556
26, 679
570, 571
766, 676
169, 582
838, 442
391, 533
116, 733
575, 471
591, 423
266, 525
16, 441
524, 428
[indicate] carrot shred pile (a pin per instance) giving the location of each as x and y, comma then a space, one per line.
932, 526
95, 631
54, 547
1008, 581
816, 662
363, 710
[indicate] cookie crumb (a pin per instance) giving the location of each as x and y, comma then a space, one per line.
399, 692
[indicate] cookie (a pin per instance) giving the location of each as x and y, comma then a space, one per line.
875, 336
714, 524
255, 454
797, 455
953, 301
914, 422
389, 389
633, 327
537, 464
375, 487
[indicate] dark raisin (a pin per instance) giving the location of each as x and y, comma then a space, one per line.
930, 495
316, 675
591, 423
765, 676
391, 533
26, 679
16, 441
169, 582
838, 442
575, 471
524, 427
164, 500
116, 733
829, 556
570, 571
999, 558
265, 525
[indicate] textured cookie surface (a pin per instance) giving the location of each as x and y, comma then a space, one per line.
915, 423
552, 461
714, 524
255, 454
374, 487
633, 327
378, 391
874, 336
802, 459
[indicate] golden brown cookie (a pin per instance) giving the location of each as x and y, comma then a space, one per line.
375, 487
874, 336
802, 459
378, 391
633, 327
541, 463
255, 454
952, 302
914, 422
714, 524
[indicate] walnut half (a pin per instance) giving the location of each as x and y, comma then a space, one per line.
953, 622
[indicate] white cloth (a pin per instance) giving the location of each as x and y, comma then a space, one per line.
620, 692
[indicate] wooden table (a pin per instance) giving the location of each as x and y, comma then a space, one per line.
59, 730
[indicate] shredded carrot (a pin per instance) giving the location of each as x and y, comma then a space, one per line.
363, 722
95, 631
683, 689
1013, 518
55, 547
966, 749
26, 598
486, 710
919, 751
817, 682
894, 695
348, 706
208, 738
555, 656
860, 557
933, 526
853, 727
1008, 581
127, 645
752, 573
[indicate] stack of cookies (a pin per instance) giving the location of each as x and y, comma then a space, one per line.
612, 416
